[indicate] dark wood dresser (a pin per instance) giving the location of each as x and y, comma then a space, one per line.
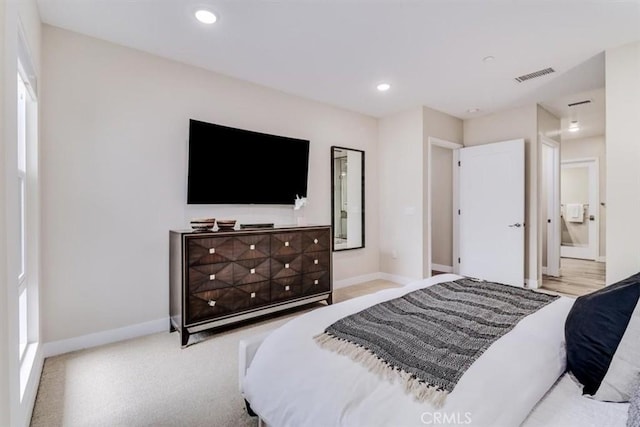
221, 277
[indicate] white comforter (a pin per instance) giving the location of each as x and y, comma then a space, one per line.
293, 382
565, 406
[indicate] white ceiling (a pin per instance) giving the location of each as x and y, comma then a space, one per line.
336, 51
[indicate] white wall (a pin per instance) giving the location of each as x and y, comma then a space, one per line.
592, 147
623, 157
114, 135
514, 124
400, 171
403, 175
14, 410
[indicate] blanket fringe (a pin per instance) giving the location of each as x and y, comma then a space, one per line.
422, 391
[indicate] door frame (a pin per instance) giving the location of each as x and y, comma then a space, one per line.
553, 207
594, 196
438, 142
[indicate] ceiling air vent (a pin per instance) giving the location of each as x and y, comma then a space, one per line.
535, 74
575, 104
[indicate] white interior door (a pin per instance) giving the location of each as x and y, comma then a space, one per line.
491, 216
579, 198
550, 192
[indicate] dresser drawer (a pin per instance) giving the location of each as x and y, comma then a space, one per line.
315, 261
207, 305
286, 265
286, 288
251, 271
251, 247
209, 276
315, 283
316, 240
289, 243
209, 250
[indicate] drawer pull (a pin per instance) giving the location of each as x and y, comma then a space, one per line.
286, 243
253, 271
315, 241
212, 303
252, 247
286, 266
286, 288
315, 282
253, 294
212, 277
315, 261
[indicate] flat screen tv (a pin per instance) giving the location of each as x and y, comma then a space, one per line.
228, 165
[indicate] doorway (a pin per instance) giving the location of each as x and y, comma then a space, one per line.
579, 201
582, 214
442, 193
582, 264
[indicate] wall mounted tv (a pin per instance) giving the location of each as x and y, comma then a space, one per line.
228, 165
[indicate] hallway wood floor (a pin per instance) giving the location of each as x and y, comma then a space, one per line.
577, 277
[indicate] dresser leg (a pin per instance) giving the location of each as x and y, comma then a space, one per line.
330, 299
249, 410
184, 337
171, 327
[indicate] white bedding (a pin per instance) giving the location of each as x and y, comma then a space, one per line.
565, 406
293, 382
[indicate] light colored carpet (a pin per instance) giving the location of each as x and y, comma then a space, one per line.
151, 381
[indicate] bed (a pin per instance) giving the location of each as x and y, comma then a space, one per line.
289, 380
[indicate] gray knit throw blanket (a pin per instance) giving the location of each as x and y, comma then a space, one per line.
429, 337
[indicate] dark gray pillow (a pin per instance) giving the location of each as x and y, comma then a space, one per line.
602, 337
634, 408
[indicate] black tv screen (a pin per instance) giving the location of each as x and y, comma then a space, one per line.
236, 166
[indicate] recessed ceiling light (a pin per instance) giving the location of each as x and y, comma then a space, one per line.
473, 110
383, 87
573, 126
206, 16
488, 58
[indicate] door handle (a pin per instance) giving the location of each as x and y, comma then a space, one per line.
517, 225
592, 217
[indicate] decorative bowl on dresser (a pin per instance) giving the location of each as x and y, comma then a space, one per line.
203, 224
226, 224
223, 277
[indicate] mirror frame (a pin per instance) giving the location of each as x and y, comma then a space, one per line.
333, 198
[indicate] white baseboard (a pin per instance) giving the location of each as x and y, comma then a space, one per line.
31, 388
401, 280
356, 280
442, 268
602, 259
55, 348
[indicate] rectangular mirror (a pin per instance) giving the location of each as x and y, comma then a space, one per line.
347, 202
